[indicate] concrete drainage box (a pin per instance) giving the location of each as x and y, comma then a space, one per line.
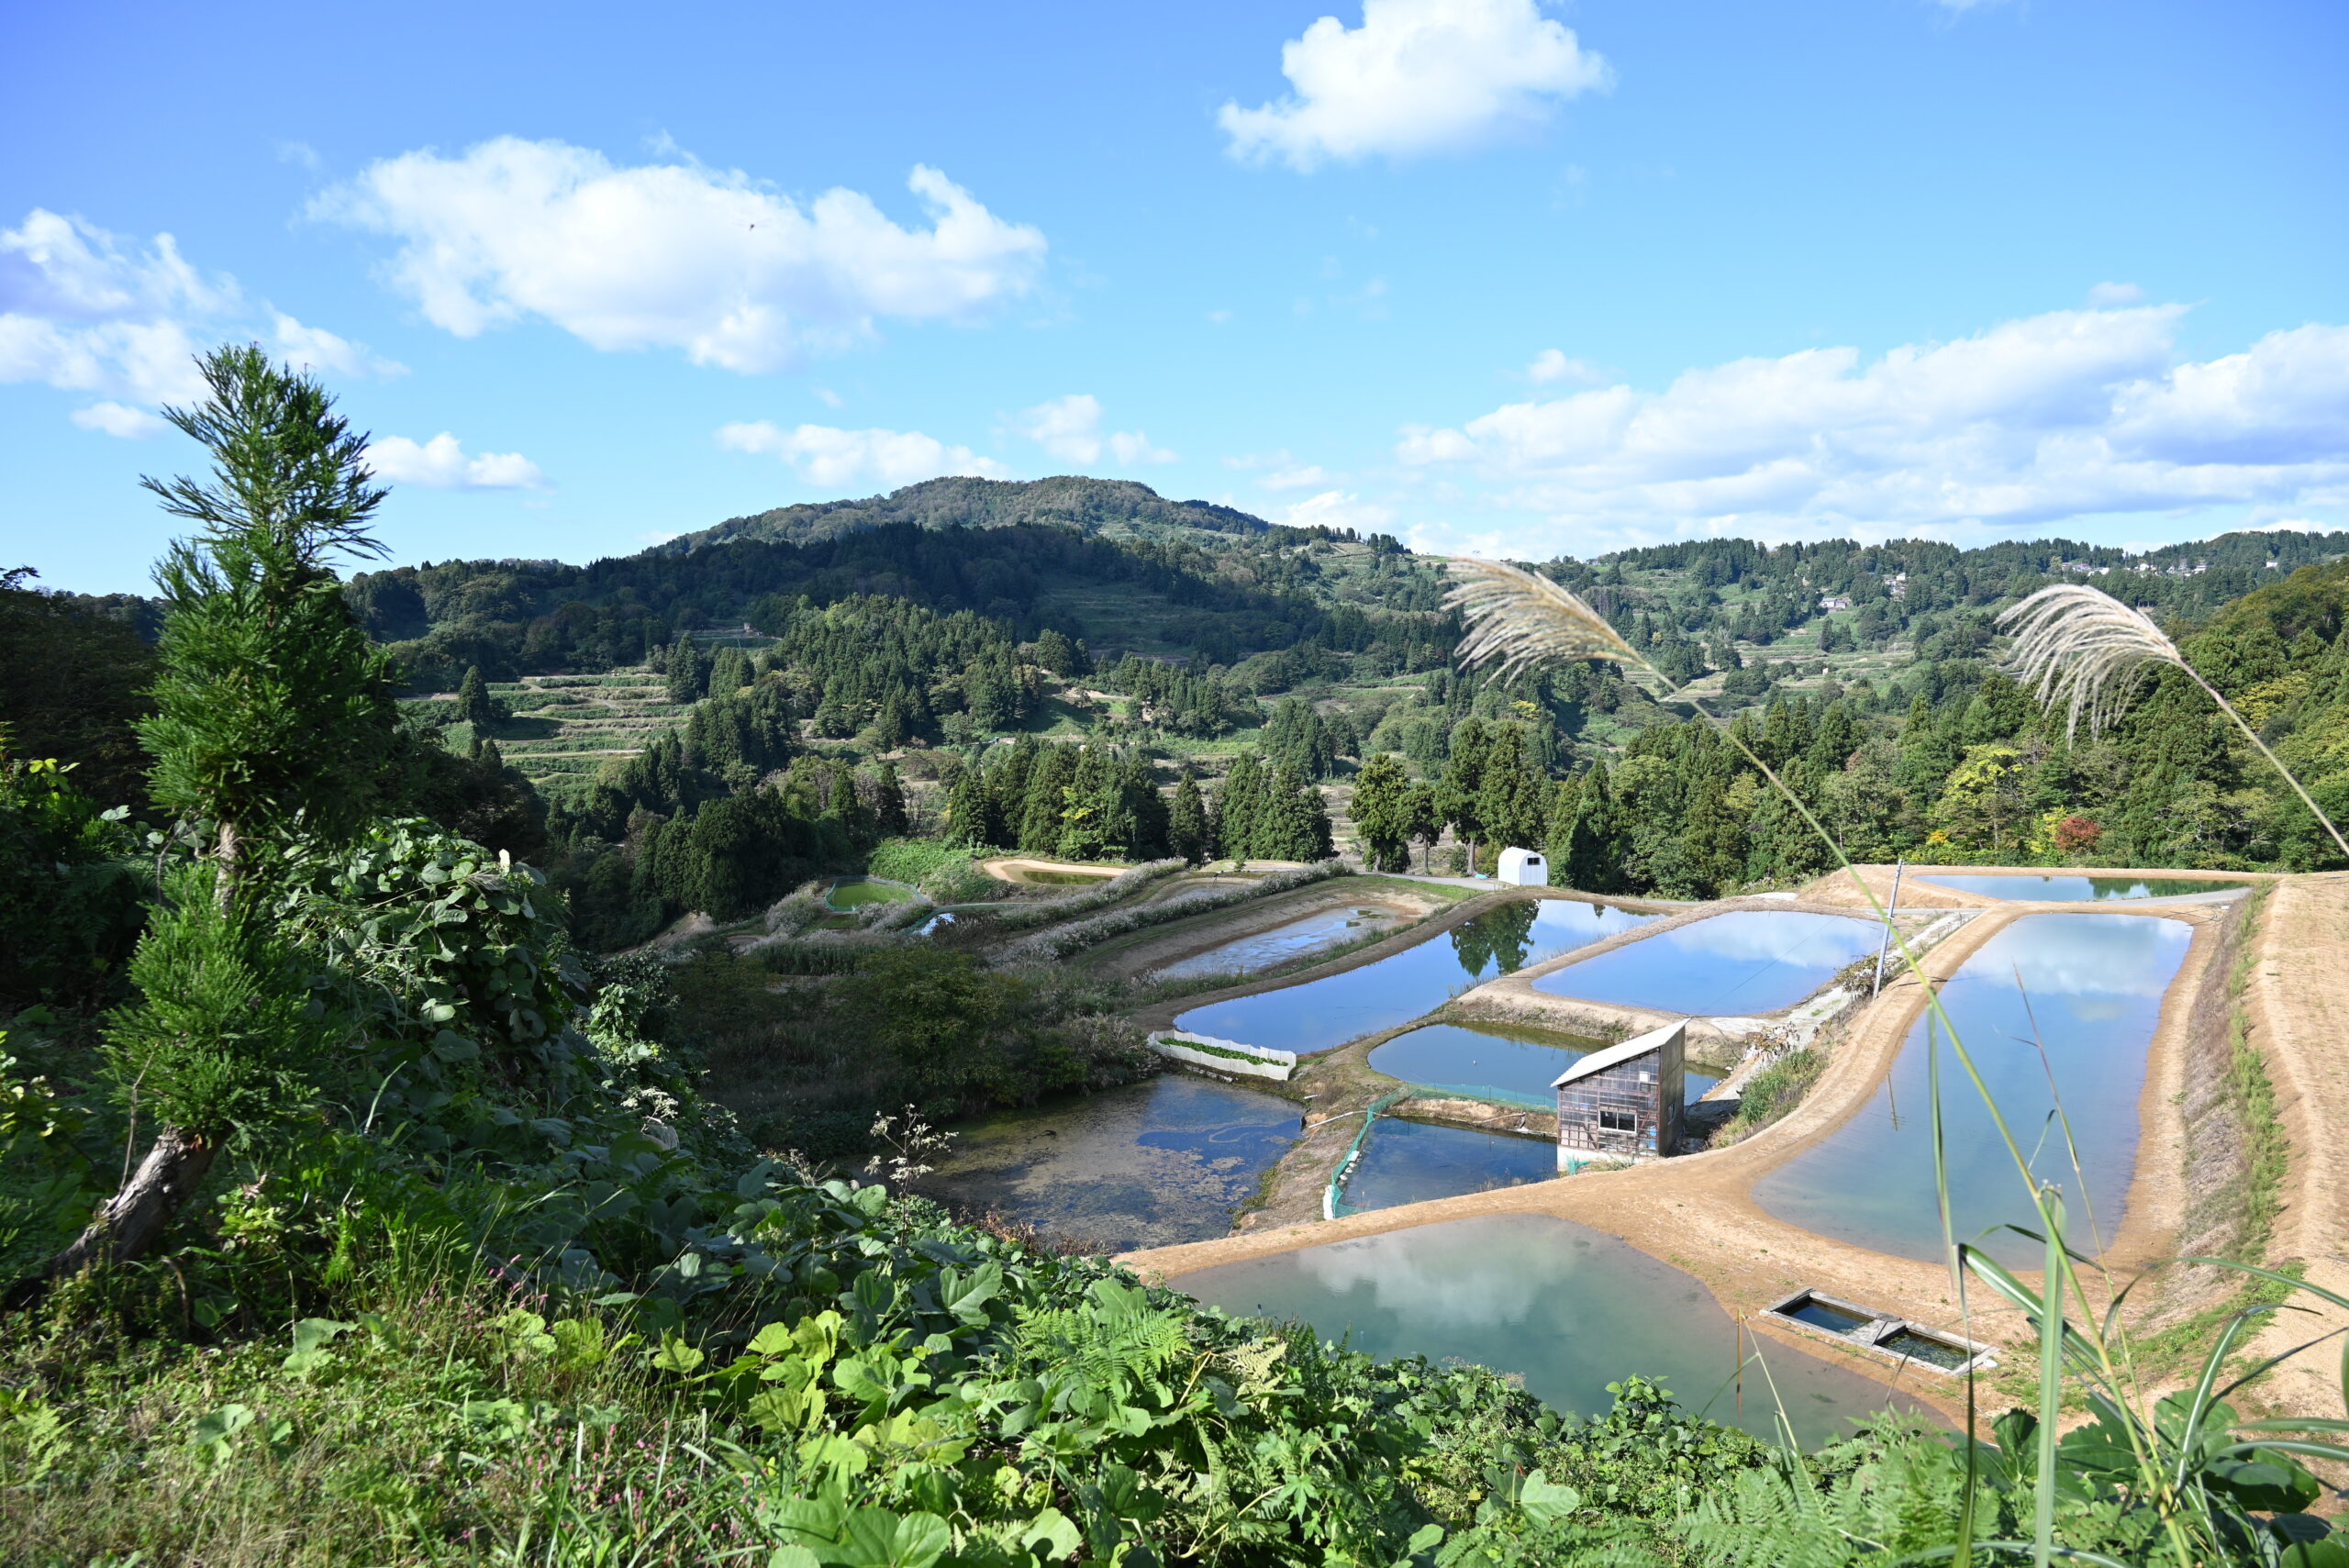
1879, 1334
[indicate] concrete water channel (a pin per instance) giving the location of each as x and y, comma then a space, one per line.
1616, 1271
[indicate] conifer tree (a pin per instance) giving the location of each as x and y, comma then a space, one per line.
1422, 810
1380, 790
271, 709
891, 818
1039, 817
1237, 809
473, 700
1186, 822
684, 670
969, 811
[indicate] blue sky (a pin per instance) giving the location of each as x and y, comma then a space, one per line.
1485, 275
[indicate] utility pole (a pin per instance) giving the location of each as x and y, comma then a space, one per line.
1894, 908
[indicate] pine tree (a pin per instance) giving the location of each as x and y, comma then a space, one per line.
271, 708
684, 671
1039, 817
890, 817
1187, 823
1461, 788
968, 810
1237, 809
730, 671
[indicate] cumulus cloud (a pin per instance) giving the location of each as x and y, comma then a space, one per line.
1418, 76
1069, 429
2061, 416
87, 310
1337, 509
2110, 294
118, 419
440, 463
823, 455
675, 255
1552, 365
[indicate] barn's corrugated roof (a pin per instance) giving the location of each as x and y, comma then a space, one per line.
1639, 1045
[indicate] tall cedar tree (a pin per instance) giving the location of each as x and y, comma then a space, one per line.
1187, 823
1380, 793
473, 700
271, 709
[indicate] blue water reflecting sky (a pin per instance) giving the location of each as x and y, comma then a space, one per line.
1749, 960
2056, 888
1490, 1057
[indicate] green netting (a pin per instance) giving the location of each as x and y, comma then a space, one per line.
1333, 1202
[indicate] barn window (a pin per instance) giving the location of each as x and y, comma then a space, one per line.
1618, 1121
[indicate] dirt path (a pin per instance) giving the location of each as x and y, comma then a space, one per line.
1697, 1213
2297, 1002
1013, 868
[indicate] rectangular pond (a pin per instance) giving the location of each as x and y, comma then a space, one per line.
1748, 960
1415, 1161
2088, 989
2067, 889
1563, 1307
1321, 1014
1284, 943
1145, 1166
1506, 1063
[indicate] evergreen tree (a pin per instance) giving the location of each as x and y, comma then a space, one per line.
1380, 793
684, 670
1039, 819
730, 671
970, 813
1088, 809
890, 817
1007, 774
1511, 799
1237, 809
1055, 653
1461, 788
1187, 823
473, 700
271, 708
1423, 812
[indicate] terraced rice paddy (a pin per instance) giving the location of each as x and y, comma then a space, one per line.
2053, 1006
566, 726
1507, 1064
1745, 961
1283, 944
2080, 889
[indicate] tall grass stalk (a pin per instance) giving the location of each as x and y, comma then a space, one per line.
2077, 646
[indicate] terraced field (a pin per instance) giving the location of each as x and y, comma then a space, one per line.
565, 727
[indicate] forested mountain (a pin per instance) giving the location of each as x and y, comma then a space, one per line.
1068, 501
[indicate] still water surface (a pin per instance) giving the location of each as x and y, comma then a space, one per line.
1749, 960
1266, 950
1145, 1166
1562, 1307
1415, 1161
1329, 1012
1489, 1061
2089, 989
2080, 889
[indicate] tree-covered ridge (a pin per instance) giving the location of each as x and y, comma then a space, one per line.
1069, 501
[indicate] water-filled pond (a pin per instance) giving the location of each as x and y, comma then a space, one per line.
1748, 960
1563, 1308
2056, 889
1146, 1166
1414, 1162
1297, 939
2090, 992
1329, 1012
1508, 1062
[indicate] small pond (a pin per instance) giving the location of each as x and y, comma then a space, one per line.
1413, 1162
1508, 1062
1329, 1012
1146, 1166
2080, 889
1749, 960
1561, 1307
1266, 950
2091, 991
855, 892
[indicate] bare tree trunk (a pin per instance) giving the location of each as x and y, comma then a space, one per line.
224, 858
129, 1221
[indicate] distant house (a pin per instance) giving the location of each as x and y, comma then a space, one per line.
1623, 1101
1834, 602
1522, 868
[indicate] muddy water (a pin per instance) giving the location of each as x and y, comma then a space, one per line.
1415, 1161
1297, 938
2088, 989
1146, 1166
1325, 1012
1749, 960
1562, 1308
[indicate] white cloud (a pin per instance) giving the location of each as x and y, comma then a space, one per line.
1260, 459
118, 419
1299, 478
1552, 365
1418, 76
823, 455
86, 310
675, 255
316, 349
2111, 294
1069, 429
440, 463
1337, 509
2062, 415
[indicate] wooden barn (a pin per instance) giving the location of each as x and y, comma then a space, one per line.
1623, 1101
